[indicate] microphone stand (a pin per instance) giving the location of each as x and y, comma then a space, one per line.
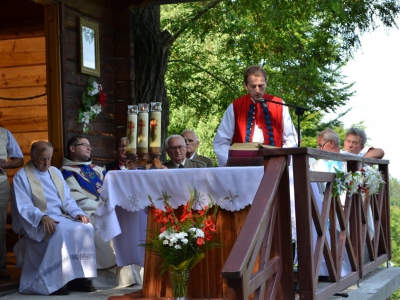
299, 112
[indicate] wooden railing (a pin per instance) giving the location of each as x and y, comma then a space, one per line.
263, 269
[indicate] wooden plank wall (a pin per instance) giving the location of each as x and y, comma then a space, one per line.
23, 34
23, 73
102, 130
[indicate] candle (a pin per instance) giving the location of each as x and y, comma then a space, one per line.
131, 129
143, 128
155, 127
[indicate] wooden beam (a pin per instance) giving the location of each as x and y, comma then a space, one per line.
54, 84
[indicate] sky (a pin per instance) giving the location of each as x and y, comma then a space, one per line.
375, 70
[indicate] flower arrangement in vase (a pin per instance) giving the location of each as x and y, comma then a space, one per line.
92, 101
182, 240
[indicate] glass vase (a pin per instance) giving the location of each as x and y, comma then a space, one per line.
179, 283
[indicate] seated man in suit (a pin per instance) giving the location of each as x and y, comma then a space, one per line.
192, 143
119, 163
176, 148
58, 243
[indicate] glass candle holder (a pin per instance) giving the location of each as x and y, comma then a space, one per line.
131, 129
155, 128
143, 128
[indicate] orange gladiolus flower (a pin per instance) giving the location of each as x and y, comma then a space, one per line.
186, 215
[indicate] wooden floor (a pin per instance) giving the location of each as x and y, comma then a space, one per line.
15, 273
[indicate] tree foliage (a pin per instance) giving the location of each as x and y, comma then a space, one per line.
302, 45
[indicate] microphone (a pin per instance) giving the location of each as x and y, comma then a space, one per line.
262, 101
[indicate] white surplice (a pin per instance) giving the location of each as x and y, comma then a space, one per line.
67, 254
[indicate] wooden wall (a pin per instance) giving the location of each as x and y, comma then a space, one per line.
23, 73
109, 126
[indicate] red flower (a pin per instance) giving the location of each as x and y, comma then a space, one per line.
186, 215
158, 214
210, 225
200, 241
201, 212
102, 96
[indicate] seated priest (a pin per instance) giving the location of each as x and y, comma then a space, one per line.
192, 143
58, 243
85, 180
176, 148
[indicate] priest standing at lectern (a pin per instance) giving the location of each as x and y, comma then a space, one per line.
248, 119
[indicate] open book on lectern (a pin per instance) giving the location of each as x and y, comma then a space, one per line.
246, 149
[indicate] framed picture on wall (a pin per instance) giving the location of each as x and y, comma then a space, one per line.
89, 44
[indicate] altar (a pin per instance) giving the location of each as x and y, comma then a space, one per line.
122, 215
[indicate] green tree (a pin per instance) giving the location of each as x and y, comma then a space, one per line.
301, 45
196, 55
394, 192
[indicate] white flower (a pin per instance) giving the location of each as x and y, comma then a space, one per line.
178, 247
199, 233
184, 241
86, 117
95, 89
96, 108
181, 235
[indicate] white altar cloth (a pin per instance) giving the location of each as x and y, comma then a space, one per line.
122, 211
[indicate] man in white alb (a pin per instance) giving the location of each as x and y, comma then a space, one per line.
58, 243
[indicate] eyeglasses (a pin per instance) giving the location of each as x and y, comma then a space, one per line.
320, 147
84, 145
180, 148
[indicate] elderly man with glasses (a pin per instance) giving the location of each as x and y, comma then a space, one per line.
85, 180
176, 148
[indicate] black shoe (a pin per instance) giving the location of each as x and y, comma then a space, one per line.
81, 285
4, 276
61, 291
324, 279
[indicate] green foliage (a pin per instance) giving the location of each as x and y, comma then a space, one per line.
89, 97
185, 117
394, 191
